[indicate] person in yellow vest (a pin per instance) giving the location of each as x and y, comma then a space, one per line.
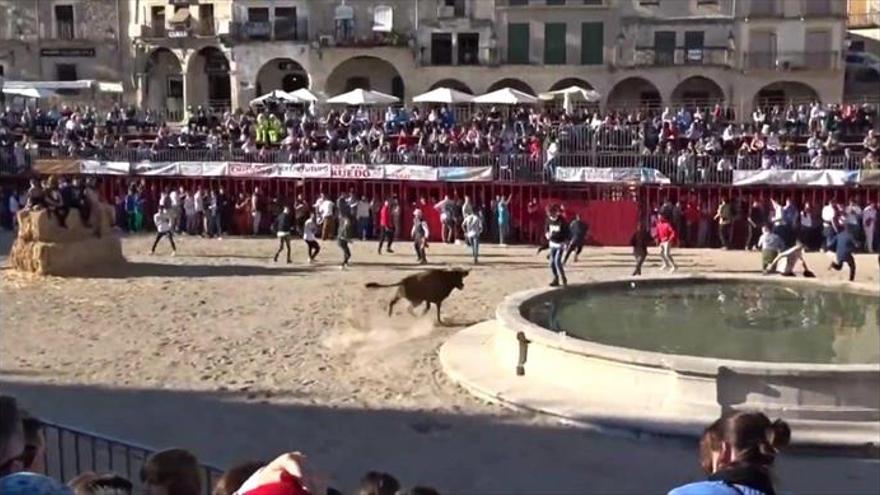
274, 129
262, 128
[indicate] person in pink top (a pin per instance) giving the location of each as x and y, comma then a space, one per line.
666, 235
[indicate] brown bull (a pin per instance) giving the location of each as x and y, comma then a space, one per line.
432, 286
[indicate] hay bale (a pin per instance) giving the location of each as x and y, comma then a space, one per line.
39, 225
83, 257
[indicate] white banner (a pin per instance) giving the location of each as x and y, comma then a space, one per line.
104, 168
357, 171
410, 172
609, 174
155, 168
201, 169
465, 174
242, 169
796, 177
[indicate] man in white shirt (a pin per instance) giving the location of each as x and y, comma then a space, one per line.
256, 214
310, 228
14, 206
472, 225
550, 164
829, 224
164, 224
327, 219
198, 209
869, 223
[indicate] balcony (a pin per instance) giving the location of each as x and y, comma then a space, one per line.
792, 61
706, 56
280, 30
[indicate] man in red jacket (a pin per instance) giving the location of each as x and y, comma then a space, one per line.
665, 237
387, 225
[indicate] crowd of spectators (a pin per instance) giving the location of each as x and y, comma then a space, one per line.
793, 136
736, 452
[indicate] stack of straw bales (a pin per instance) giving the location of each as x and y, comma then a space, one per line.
46, 248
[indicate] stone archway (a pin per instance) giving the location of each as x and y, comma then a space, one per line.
785, 92
365, 72
512, 83
163, 83
207, 79
281, 73
634, 92
452, 84
698, 90
569, 82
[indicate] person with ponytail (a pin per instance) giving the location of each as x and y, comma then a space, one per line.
737, 452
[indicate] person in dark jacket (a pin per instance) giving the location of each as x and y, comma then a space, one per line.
558, 237
578, 231
844, 245
640, 241
283, 227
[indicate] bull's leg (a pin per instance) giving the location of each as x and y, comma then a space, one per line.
438, 312
427, 307
392, 303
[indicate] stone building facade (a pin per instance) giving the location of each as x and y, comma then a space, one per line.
222, 53
45, 40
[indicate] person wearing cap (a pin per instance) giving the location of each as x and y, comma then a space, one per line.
283, 226
164, 222
419, 236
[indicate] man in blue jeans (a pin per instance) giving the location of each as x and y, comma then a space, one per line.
473, 227
558, 237
844, 245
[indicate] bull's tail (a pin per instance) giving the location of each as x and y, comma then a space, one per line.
374, 285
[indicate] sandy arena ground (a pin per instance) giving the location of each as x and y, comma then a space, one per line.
235, 357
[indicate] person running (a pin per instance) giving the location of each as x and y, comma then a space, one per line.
419, 236
640, 241
283, 227
785, 262
666, 235
558, 237
164, 228
310, 230
770, 244
386, 223
343, 237
844, 246
578, 230
472, 225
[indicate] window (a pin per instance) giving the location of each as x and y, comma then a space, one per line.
817, 7
554, 43
206, 19
664, 47
555, 2
468, 48
285, 23
441, 49
175, 87
258, 14
65, 72
157, 21
258, 27
762, 8
649, 3
458, 7
518, 43
64, 25
693, 47
592, 43
514, 3
593, 2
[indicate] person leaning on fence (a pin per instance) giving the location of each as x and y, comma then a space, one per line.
172, 472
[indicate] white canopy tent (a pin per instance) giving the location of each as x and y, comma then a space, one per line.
444, 95
36, 93
305, 95
570, 94
275, 95
363, 97
506, 96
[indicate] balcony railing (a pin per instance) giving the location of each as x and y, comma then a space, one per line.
791, 61
651, 57
65, 31
280, 30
